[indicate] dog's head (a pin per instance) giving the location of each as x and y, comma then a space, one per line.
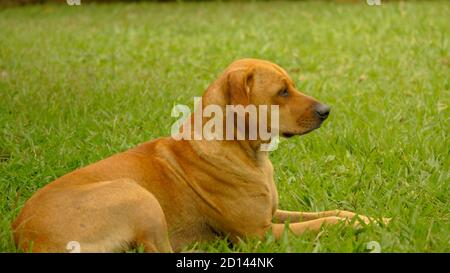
258, 82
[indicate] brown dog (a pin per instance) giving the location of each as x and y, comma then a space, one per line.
166, 194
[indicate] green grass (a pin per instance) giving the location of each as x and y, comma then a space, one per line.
78, 84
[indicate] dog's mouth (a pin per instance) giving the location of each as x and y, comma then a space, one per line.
291, 134
288, 135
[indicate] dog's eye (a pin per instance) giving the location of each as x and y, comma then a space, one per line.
283, 93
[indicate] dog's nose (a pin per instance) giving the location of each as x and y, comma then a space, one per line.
322, 111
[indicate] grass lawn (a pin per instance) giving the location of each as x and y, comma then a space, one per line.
78, 84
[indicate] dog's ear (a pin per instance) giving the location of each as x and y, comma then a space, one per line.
239, 84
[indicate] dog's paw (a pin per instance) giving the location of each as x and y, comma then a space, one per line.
386, 220
359, 221
371, 221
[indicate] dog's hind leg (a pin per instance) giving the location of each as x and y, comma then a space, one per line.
106, 216
152, 232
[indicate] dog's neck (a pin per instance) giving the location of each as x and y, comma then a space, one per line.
218, 148
251, 148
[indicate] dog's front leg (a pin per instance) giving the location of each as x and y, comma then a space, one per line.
281, 216
312, 225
